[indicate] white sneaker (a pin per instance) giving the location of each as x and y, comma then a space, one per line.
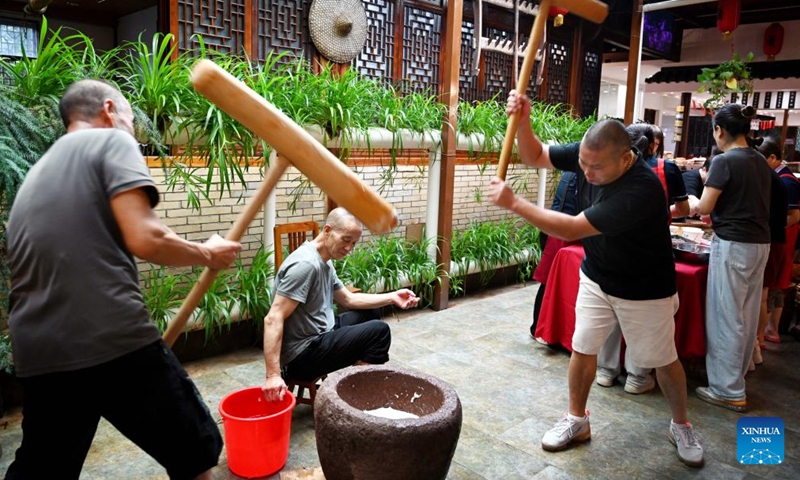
604, 381
567, 430
634, 388
690, 452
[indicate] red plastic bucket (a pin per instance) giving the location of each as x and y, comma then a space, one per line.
256, 431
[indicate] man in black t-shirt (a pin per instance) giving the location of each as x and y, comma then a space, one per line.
627, 275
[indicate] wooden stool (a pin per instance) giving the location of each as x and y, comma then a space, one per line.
302, 386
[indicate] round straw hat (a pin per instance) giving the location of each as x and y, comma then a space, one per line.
338, 28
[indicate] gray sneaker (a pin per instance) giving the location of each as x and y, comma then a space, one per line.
565, 432
690, 452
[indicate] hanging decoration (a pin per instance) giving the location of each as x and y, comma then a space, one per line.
728, 13
558, 15
773, 40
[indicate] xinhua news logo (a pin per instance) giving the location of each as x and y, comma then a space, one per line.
759, 441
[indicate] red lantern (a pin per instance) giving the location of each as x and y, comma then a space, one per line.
728, 13
558, 14
773, 40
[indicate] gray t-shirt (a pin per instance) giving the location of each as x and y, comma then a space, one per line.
309, 280
75, 300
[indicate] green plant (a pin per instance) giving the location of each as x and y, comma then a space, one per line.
385, 262
253, 294
163, 295
726, 78
6, 356
489, 245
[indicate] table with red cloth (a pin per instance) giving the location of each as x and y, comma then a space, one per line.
557, 317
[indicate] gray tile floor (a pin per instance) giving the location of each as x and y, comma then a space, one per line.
512, 390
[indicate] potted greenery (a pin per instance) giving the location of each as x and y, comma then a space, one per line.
726, 78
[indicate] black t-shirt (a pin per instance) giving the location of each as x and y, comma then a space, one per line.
693, 183
632, 257
741, 213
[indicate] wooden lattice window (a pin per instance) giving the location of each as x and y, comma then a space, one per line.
497, 68
375, 59
534, 87
590, 89
422, 40
283, 27
467, 82
559, 61
220, 22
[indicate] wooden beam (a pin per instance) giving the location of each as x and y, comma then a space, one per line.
633, 62
614, 57
449, 89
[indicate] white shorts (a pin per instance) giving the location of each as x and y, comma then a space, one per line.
648, 325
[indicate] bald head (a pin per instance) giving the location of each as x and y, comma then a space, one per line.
340, 219
84, 100
607, 136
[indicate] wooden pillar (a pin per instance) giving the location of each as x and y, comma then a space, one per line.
576, 71
785, 131
251, 29
172, 22
634, 53
452, 45
681, 147
397, 66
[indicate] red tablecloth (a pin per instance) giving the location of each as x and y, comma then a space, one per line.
557, 318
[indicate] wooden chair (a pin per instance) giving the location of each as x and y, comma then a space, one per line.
297, 234
302, 386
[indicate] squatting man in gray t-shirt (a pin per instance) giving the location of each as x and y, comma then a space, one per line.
302, 337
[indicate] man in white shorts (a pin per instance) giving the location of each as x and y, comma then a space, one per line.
627, 275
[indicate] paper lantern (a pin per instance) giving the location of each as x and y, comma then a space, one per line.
773, 40
728, 13
558, 15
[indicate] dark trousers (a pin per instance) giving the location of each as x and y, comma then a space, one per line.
145, 394
537, 308
356, 335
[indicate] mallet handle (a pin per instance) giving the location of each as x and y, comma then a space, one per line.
591, 10
235, 233
522, 85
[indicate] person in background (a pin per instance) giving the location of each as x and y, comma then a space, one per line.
565, 201
737, 196
640, 380
84, 345
779, 265
695, 179
303, 339
627, 275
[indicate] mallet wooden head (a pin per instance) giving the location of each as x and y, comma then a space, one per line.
292, 142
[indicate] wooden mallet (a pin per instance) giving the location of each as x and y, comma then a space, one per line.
591, 10
294, 145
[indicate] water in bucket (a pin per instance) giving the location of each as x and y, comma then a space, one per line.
256, 432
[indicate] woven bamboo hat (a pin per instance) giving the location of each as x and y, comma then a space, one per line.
338, 28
